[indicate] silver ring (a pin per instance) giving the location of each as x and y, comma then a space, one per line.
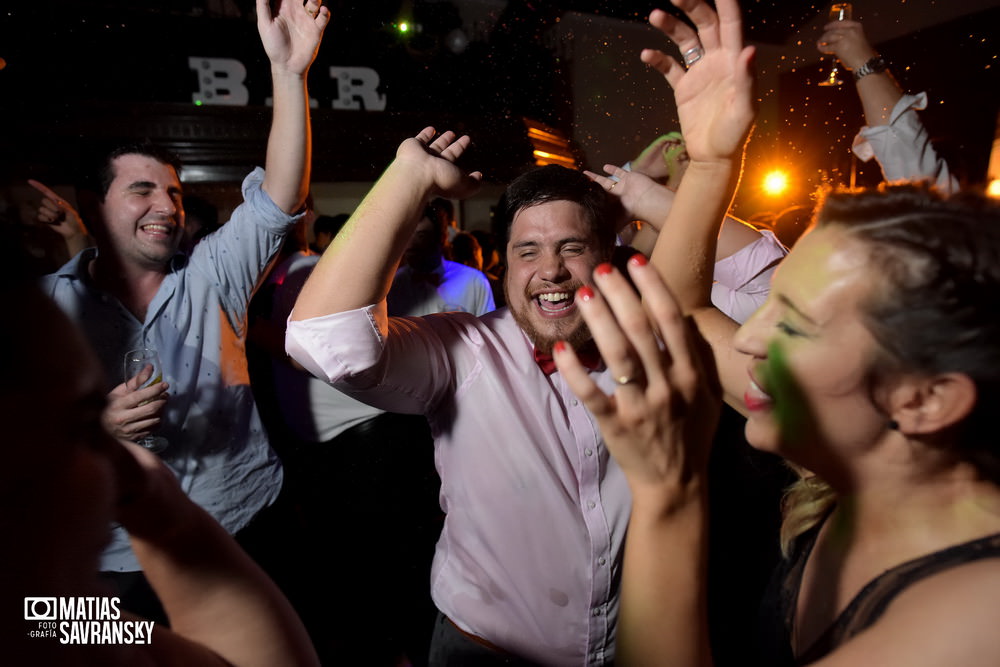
623, 380
693, 55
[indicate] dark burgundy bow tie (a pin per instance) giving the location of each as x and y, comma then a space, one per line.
588, 356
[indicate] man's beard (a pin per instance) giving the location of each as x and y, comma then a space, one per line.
576, 333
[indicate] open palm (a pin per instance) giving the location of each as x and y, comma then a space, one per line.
291, 35
714, 96
435, 157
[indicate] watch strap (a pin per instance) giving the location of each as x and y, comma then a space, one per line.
874, 65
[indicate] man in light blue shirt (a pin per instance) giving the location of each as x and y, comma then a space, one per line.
136, 290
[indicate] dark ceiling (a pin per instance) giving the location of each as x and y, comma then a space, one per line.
83, 68
771, 21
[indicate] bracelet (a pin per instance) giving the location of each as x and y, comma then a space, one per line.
874, 65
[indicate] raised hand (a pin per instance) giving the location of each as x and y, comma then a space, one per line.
641, 197
58, 214
715, 99
291, 35
664, 159
846, 40
433, 157
659, 421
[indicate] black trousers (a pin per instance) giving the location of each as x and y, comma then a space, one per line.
369, 501
450, 647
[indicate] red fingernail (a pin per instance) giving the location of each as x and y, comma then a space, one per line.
638, 259
603, 269
585, 293
560, 346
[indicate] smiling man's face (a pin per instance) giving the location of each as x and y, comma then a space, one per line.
552, 252
142, 213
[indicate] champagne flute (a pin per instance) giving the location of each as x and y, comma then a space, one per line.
839, 11
137, 362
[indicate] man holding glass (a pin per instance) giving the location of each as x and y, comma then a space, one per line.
135, 290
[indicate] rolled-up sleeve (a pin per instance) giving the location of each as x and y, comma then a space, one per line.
409, 369
336, 347
903, 148
743, 280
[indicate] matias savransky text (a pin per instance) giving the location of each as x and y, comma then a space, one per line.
84, 620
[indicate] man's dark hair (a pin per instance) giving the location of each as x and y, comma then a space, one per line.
96, 170
555, 183
440, 211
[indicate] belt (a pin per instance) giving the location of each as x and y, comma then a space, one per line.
476, 638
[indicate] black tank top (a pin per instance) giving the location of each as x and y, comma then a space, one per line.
780, 600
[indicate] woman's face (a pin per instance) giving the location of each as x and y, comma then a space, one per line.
809, 391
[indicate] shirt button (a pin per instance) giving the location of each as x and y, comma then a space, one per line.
597, 611
602, 560
588, 451
591, 504
574, 402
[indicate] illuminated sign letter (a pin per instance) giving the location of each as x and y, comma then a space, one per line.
357, 88
220, 81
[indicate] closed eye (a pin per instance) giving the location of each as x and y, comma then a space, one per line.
788, 330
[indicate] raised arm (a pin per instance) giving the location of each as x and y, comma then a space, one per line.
56, 212
716, 109
218, 601
894, 134
642, 198
878, 90
291, 37
715, 106
356, 270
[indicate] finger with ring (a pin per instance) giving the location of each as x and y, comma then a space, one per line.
693, 55
623, 380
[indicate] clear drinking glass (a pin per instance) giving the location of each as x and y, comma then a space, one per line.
145, 362
839, 11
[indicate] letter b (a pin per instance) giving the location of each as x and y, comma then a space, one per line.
220, 81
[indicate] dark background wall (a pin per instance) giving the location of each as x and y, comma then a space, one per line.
90, 69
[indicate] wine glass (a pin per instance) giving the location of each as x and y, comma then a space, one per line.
145, 362
839, 11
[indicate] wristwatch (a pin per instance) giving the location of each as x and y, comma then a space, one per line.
874, 65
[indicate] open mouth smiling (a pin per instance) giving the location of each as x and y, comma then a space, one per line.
157, 229
755, 398
555, 303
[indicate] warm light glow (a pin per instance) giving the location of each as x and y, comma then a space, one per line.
775, 183
403, 26
543, 158
993, 189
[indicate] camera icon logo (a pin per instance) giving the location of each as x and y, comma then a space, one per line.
40, 609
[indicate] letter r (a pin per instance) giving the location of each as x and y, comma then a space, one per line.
357, 88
